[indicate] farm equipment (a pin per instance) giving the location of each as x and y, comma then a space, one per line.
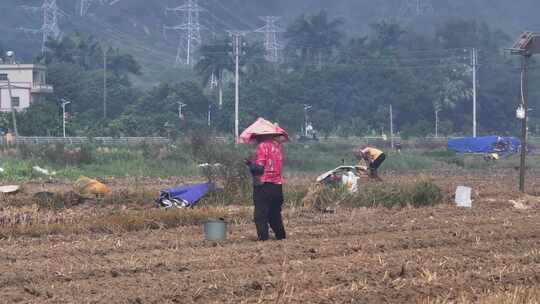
347, 177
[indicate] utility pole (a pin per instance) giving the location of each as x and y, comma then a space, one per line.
65, 102
105, 50
391, 128
49, 28
527, 45
237, 51
437, 122
209, 114
190, 30
13, 114
271, 39
524, 122
474, 61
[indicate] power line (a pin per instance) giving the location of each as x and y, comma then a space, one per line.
416, 8
190, 30
84, 5
234, 15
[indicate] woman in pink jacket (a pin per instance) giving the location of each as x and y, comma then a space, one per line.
267, 186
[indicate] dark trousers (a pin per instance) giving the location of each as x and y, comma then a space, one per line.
268, 199
374, 166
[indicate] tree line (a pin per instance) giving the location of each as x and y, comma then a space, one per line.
349, 82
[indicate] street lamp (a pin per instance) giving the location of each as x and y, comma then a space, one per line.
209, 114
180, 106
306, 108
65, 102
527, 45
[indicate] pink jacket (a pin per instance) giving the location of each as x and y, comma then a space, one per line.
269, 155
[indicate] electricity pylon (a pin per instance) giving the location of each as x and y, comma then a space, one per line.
49, 28
190, 31
84, 5
271, 38
416, 8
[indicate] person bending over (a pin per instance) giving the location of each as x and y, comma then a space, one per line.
373, 157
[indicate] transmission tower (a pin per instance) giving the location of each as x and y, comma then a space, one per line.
271, 38
84, 5
189, 29
416, 8
49, 28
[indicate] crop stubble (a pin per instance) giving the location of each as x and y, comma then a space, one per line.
489, 254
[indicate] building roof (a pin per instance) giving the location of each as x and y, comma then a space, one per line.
22, 67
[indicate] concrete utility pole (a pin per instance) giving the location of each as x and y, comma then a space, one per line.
391, 128
105, 50
209, 115
65, 102
13, 114
190, 30
271, 38
437, 122
237, 51
474, 64
49, 28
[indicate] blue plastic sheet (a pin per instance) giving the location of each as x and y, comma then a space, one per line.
485, 144
189, 195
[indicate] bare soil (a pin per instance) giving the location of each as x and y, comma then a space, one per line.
443, 254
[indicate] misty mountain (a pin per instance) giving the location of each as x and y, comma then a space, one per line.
136, 26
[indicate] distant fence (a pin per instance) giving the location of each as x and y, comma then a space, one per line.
426, 142
108, 141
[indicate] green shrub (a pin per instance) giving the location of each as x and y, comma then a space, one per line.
425, 193
418, 194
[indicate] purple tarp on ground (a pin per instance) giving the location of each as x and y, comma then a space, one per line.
188, 194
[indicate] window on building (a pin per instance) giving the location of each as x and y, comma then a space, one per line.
3, 77
15, 102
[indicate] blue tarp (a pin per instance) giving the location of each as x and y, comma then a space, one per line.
188, 195
486, 144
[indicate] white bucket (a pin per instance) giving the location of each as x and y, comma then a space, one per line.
463, 197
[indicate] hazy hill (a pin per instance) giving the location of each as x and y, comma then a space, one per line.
136, 25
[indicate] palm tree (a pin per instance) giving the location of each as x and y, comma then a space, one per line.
214, 61
313, 36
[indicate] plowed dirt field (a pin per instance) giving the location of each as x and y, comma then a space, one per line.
443, 254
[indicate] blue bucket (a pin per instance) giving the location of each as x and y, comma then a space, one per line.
215, 230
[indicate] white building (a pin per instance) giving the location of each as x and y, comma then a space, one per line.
28, 84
